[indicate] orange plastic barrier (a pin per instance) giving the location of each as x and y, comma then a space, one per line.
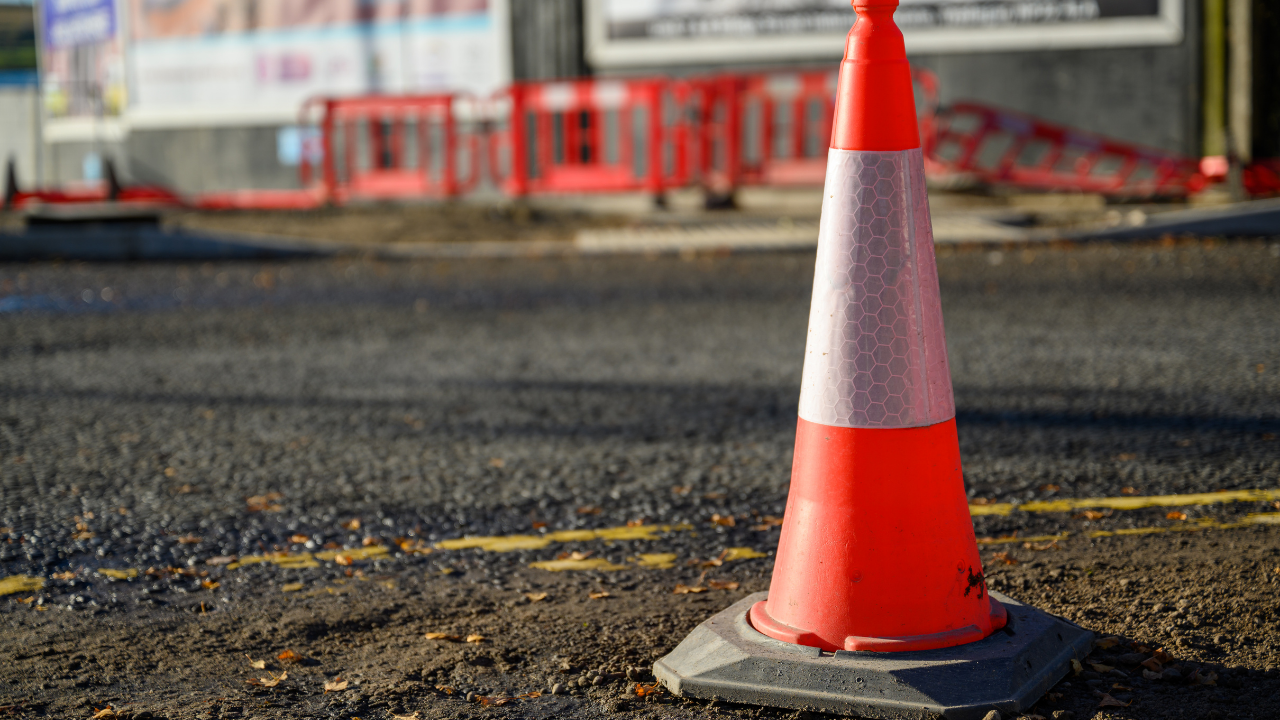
586, 136
1005, 147
386, 147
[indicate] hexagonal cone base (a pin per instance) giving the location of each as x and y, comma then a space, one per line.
725, 658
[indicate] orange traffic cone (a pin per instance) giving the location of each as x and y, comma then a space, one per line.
877, 548
877, 564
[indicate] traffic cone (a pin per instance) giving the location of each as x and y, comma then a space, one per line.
878, 605
877, 549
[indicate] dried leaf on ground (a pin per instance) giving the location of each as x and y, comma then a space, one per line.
220, 560
190, 539
599, 595
443, 636
686, 590
486, 701
647, 690
210, 584
1203, 678
723, 520
290, 656
1130, 490
1107, 643
767, 522
256, 664
27, 600
1100, 668
476, 639
536, 597
352, 524
1005, 558
721, 585
414, 716
264, 503
1108, 701
68, 575
1162, 657
575, 555
270, 681
1051, 545
1091, 515
343, 559
298, 538
1152, 664
1050, 487
335, 685
104, 714
1176, 515
1076, 667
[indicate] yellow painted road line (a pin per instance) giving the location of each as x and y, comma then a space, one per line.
1006, 539
1201, 524
20, 584
506, 543
1127, 502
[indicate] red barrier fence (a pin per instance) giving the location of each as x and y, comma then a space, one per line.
650, 135
1004, 147
585, 136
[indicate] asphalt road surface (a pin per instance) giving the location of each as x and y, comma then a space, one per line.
200, 463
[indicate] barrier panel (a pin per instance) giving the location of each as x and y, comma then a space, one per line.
1001, 146
387, 147
584, 136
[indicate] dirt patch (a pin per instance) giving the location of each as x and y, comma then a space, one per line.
1200, 610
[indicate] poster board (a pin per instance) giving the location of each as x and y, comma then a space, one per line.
258, 61
639, 33
82, 70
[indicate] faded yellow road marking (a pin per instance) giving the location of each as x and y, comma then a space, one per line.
658, 561
1201, 524
20, 583
1004, 540
308, 560
506, 543
569, 564
1127, 503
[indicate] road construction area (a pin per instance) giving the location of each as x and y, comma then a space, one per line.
347, 488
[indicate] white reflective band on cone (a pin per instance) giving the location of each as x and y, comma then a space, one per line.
876, 355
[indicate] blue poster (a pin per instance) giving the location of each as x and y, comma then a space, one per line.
68, 23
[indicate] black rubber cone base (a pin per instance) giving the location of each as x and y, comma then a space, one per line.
726, 658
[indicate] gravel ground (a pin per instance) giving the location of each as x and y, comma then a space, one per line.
164, 419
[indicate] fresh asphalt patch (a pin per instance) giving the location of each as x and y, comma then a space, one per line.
204, 462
